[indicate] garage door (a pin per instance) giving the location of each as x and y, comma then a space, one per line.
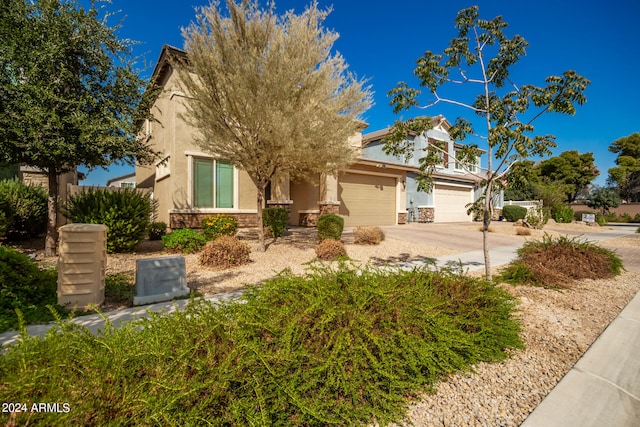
367, 199
450, 203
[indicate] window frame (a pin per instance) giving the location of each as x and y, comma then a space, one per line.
191, 184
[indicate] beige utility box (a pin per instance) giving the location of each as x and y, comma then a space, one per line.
82, 261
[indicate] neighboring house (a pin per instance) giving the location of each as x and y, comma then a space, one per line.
454, 185
124, 181
35, 176
189, 184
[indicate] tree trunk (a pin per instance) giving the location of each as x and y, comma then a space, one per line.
486, 221
261, 190
51, 241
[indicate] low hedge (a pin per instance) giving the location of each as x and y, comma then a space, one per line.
339, 346
513, 213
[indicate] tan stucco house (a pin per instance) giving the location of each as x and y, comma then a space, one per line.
189, 184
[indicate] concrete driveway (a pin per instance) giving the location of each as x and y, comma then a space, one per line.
463, 237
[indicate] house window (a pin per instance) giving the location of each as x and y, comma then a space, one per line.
459, 166
127, 185
441, 151
470, 167
212, 184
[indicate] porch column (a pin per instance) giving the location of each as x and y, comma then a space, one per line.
281, 193
329, 194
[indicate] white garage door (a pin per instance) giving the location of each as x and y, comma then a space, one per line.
450, 203
367, 199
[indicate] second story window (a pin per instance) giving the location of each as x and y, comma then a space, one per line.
441, 150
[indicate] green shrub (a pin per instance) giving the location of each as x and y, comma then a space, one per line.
601, 219
157, 230
610, 216
512, 213
536, 217
636, 218
334, 347
6, 217
25, 287
214, 226
330, 226
184, 240
518, 273
275, 220
24, 209
562, 213
126, 213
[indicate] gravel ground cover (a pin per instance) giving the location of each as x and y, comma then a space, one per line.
559, 326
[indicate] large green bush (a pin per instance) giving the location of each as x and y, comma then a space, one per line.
23, 209
185, 240
126, 213
337, 346
6, 217
330, 226
25, 287
513, 213
275, 220
562, 213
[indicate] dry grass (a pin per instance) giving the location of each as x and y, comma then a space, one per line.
224, 252
559, 266
523, 231
368, 236
330, 249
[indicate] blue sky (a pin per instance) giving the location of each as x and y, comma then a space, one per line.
381, 41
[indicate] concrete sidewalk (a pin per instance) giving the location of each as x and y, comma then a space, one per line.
602, 389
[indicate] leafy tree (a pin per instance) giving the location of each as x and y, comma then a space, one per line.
482, 56
266, 93
570, 170
521, 181
603, 198
626, 175
69, 94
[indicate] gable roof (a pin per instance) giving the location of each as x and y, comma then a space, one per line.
163, 65
121, 178
436, 121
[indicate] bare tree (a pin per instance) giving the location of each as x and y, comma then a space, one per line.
268, 95
481, 57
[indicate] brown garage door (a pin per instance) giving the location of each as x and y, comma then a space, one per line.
367, 199
450, 203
